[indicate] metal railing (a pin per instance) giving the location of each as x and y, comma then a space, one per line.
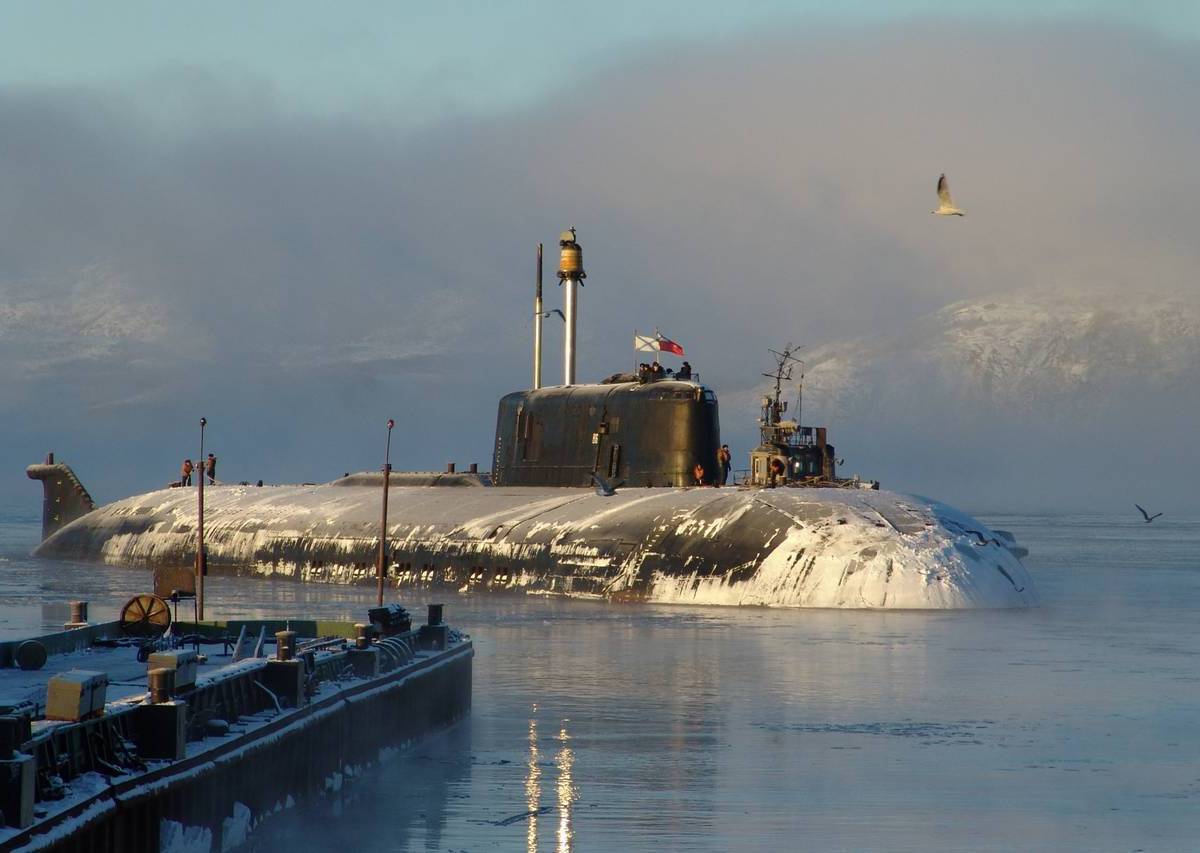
693, 377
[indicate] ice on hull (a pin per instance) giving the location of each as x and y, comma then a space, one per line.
772, 547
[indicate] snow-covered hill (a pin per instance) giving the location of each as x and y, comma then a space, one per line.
1024, 351
95, 316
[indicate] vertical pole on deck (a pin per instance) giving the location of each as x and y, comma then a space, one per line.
381, 562
570, 309
537, 325
571, 274
200, 562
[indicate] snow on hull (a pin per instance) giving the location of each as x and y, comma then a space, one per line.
950, 561
771, 547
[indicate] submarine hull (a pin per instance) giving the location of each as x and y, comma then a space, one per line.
785, 547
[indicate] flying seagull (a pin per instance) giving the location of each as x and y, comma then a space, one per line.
556, 311
604, 488
1149, 518
945, 203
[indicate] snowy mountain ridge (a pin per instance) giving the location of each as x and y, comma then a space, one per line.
93, 316
1022, 350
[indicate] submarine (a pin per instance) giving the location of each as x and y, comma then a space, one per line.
607, 490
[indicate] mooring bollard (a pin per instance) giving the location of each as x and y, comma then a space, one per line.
161, 723
285, 645
435, 635
364, 657
285, 675
79, 615
162, 685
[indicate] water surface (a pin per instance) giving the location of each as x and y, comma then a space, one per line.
631, 727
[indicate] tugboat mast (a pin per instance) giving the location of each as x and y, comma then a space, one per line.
789, 453
770, 428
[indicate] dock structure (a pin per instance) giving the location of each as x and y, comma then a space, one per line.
110, 741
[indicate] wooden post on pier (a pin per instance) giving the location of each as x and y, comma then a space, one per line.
381, 563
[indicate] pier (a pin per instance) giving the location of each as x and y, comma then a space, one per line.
114, 737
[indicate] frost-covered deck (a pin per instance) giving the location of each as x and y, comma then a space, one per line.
777, 547
256, 762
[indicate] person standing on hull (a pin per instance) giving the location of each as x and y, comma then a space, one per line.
185, 473
210, 468
698, 474
724, 461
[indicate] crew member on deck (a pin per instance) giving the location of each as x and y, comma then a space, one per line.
185, 473
724, 461
210, 468
698, 473
684, 371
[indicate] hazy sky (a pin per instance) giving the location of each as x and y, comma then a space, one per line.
419, 62
299, 222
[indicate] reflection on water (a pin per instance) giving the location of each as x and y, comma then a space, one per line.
533, 786
566, 790
405, 803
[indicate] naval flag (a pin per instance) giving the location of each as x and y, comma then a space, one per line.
656, 343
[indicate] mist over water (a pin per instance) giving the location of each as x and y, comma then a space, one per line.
601, 726
299, 279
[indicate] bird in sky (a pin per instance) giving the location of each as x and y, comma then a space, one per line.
1149, 518
946, 206
557, 311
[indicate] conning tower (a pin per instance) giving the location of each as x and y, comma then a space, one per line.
641, 434
631, 430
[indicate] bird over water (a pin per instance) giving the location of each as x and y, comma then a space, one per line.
946, 206
1149, 518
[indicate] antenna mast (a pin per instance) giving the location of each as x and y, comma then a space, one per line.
537, 325
774, 407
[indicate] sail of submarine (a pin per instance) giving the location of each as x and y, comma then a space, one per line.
794, 535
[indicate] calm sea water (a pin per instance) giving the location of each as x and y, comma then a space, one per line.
1075, 726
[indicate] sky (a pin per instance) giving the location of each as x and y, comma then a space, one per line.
298, 221
420, 63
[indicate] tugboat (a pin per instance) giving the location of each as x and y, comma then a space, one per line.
603, 490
